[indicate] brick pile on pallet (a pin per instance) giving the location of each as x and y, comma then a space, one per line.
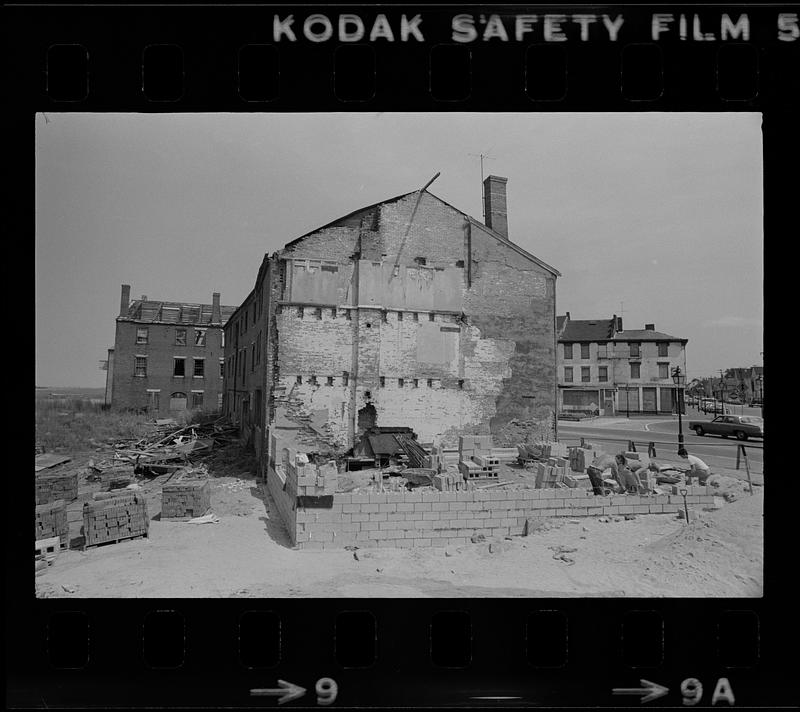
185, 495
476, 461
52, 487
115, 518
51, 520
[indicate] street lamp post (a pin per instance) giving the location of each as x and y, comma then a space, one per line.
679, 379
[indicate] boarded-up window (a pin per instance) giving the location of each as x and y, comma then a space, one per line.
628, 399
634, 347
635, 370
667, 400
663, 370
141, 335
180, 337
197, 399
663, 348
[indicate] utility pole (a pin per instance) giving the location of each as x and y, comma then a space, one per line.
483, 157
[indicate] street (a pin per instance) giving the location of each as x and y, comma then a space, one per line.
614, 436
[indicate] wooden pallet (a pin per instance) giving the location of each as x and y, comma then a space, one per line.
114, 541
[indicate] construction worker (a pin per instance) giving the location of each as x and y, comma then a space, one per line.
697, 468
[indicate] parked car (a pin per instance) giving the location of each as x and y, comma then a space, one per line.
740, 426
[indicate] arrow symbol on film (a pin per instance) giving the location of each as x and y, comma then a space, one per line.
648, 690
285, 693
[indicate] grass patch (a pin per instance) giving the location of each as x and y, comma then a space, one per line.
73, 424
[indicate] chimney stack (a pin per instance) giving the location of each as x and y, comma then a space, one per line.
216, 314
144, 297
619, 323
649, 327
125, 300
494, 203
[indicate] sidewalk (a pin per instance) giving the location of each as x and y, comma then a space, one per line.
635, 422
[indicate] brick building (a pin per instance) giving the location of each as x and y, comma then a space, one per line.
406, 313
603, 369
167, 356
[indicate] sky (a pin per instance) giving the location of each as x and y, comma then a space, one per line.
653, 216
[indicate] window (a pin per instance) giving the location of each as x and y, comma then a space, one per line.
140, 367
634, 350
568, 374
663, 370
179, 367
663, 348
416, 383
219, 401
420, 260
180, 337
602, 350
635, 370
585, 374
199, 367
318, 313
199, 337
252, 357
197, 399
584, 350
221, 367
431, 316
384, 316
400, 382
567, 351
459, 263
299, 379
383, 381
141, 336
222, 336
416, 316
312, 380
460, 383
602, 373
345, 378
430, 383
330, 380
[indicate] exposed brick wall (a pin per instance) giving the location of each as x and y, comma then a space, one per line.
411, 519
130, 391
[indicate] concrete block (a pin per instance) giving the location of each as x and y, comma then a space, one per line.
359, 517
378, 516
440, 507
387, 507
641, 508
431, 497
387, 525
360, 498
396, 516
423, 507
422, 542
413, 497
405, 507
457, 506
370, 508
343, 498
378, 498
369, 526
351, 508
431, 516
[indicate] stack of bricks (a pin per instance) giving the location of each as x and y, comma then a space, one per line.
185, 495
51, 520
424, 519
550, 475
450, 482
313, 480
114, 519
50, 488
553, 449
476, 461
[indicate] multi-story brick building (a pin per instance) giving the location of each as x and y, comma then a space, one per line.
603, 369
404, 313
167, 356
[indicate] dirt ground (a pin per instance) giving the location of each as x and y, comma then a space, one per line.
247, 554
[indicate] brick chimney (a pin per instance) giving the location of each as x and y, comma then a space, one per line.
649, 327
494, 201
619, 323
125, 300
216, 313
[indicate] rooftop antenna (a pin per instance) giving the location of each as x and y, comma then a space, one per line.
483, 157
